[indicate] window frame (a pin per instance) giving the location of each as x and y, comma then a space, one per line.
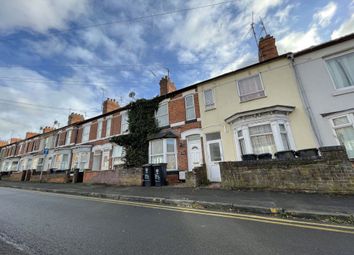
99, 129
337, 55
248, 77
190, 107
88, 127
165, 152
119, 158
68, 131
108, 120
124, 123
212, 106
167, 115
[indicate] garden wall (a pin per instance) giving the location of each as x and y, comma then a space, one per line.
120, 177
330, 173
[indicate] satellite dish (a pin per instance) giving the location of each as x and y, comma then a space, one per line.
132, 94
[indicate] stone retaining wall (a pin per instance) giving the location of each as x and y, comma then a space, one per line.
197, 177
120, 177
331, 173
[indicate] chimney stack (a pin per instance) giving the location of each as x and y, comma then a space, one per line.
75, 117
15, 140
109, 105
30, 134
166, 85
47, 129
3, 143
267, 48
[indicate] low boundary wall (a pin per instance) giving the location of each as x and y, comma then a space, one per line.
120, 177
330, 173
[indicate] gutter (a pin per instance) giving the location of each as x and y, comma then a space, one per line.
305, 100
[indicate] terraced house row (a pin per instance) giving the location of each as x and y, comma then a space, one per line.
284, 102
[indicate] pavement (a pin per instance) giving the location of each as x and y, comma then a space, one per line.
35, 223
299, 205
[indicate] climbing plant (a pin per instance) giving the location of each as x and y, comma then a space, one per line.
142, 123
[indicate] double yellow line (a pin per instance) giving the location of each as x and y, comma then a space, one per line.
239, 216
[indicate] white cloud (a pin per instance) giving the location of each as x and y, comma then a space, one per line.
298, 40
31, 89
39, 15
324, 16
347, 27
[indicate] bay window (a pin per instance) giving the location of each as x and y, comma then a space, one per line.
344, 130
163, 151
262, 139
190, 108
118, 155
250, 88
341, 69
162, 115
269, 137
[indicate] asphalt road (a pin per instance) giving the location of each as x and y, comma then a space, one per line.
44, 223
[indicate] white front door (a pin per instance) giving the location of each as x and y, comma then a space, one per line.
215, 155
194, 152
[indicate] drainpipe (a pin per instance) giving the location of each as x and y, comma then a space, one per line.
305, 100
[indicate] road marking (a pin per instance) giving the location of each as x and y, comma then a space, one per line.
240, 216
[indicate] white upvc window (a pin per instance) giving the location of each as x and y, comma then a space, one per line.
250, 88
190, 107
64, 162
267, 137
262, 139
124, 129
118, 154
85, 133
163, 151
162, 115
99, 129
46, 143
344, 130
108, 126
209, 99
341, 69
68, 137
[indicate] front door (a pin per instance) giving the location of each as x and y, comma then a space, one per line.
215, 155
194, 152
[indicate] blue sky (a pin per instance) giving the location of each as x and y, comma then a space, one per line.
57, 57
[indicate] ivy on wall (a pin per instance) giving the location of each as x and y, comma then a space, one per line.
142, 124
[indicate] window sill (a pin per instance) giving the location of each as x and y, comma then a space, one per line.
245, 101
343, 91
209, 109
191, 121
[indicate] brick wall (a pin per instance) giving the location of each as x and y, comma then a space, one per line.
116, 124
15, 177
331, 173
50, 178
93, 131
120, 177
